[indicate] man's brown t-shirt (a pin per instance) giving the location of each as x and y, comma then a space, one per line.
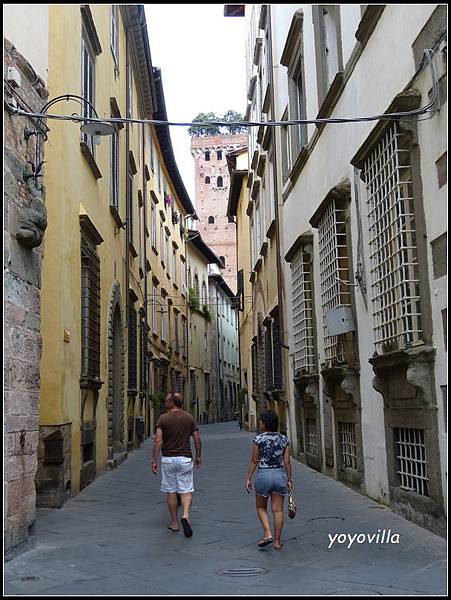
177, 427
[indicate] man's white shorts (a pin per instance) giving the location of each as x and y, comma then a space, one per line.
177, 474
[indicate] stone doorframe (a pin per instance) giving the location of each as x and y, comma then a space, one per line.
308, 407
115, 300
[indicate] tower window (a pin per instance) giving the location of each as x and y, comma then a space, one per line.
211, 219
219, 154
207, 179
222, 259
207, 155
219, 182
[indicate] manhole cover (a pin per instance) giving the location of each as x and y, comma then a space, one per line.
319, 518
355, 592
242, 572
29, 578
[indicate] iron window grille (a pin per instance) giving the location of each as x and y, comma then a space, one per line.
348, 445
90, 310
277, 352
393, 243
334, 272
132, 350
269, 357
312, 437
176, 332
303, 324
411, 464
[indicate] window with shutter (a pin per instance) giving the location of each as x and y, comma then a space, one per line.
90, 310
132, 346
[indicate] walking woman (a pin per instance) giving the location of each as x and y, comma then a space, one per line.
271, 454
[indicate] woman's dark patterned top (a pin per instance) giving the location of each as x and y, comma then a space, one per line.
271, 446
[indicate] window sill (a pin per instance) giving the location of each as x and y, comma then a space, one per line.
271, 229
132, 249
90, 160
154, 250
115, 214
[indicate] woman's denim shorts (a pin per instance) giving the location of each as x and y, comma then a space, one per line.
271, 480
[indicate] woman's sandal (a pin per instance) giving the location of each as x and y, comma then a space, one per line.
173, 530
279, 547
265, 542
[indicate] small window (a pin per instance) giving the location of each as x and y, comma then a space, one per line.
222, 259
231, 220
207, 179
207, 155
219, 154
219, 182
211, 220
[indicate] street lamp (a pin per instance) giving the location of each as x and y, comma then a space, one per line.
94, 128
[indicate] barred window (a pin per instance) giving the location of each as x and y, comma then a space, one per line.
254, 368
132, 343
303, 325
142, 350
277, 353
193, 389
90, 309
393, 243
411, 465
176, 331
334, 272
269, 357
312, 437
348, 446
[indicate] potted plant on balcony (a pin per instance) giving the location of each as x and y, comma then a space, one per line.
193, 300
207, 313
168, 199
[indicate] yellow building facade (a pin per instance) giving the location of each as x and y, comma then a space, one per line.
200, 340
114, 301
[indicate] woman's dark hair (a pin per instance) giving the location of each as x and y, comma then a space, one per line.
270, 419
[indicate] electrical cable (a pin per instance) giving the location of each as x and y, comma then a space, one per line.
430, 107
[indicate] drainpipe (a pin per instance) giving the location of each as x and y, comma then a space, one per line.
127, 199
219, 357
276, 208
143, 233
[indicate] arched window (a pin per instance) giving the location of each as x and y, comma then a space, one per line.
211, 219
207, 155
219, 154
190, 283
196, 285
219, 181
204, 294
222, 259
207, 179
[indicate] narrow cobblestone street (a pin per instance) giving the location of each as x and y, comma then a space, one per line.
111, 539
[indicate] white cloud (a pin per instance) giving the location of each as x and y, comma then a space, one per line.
201, 55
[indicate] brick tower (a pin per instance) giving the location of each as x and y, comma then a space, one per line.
212, 192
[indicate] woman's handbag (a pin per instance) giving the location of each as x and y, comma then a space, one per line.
291, 506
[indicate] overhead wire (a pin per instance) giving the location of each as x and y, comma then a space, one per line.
431, 107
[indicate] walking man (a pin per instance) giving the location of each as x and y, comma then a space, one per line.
172, 436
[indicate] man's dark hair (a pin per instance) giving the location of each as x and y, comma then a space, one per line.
271, 420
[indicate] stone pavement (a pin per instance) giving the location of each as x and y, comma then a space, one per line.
111, 539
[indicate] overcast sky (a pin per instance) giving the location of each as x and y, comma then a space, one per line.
201, 55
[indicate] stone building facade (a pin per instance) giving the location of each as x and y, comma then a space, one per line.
363, 238
24, 225
211, 193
